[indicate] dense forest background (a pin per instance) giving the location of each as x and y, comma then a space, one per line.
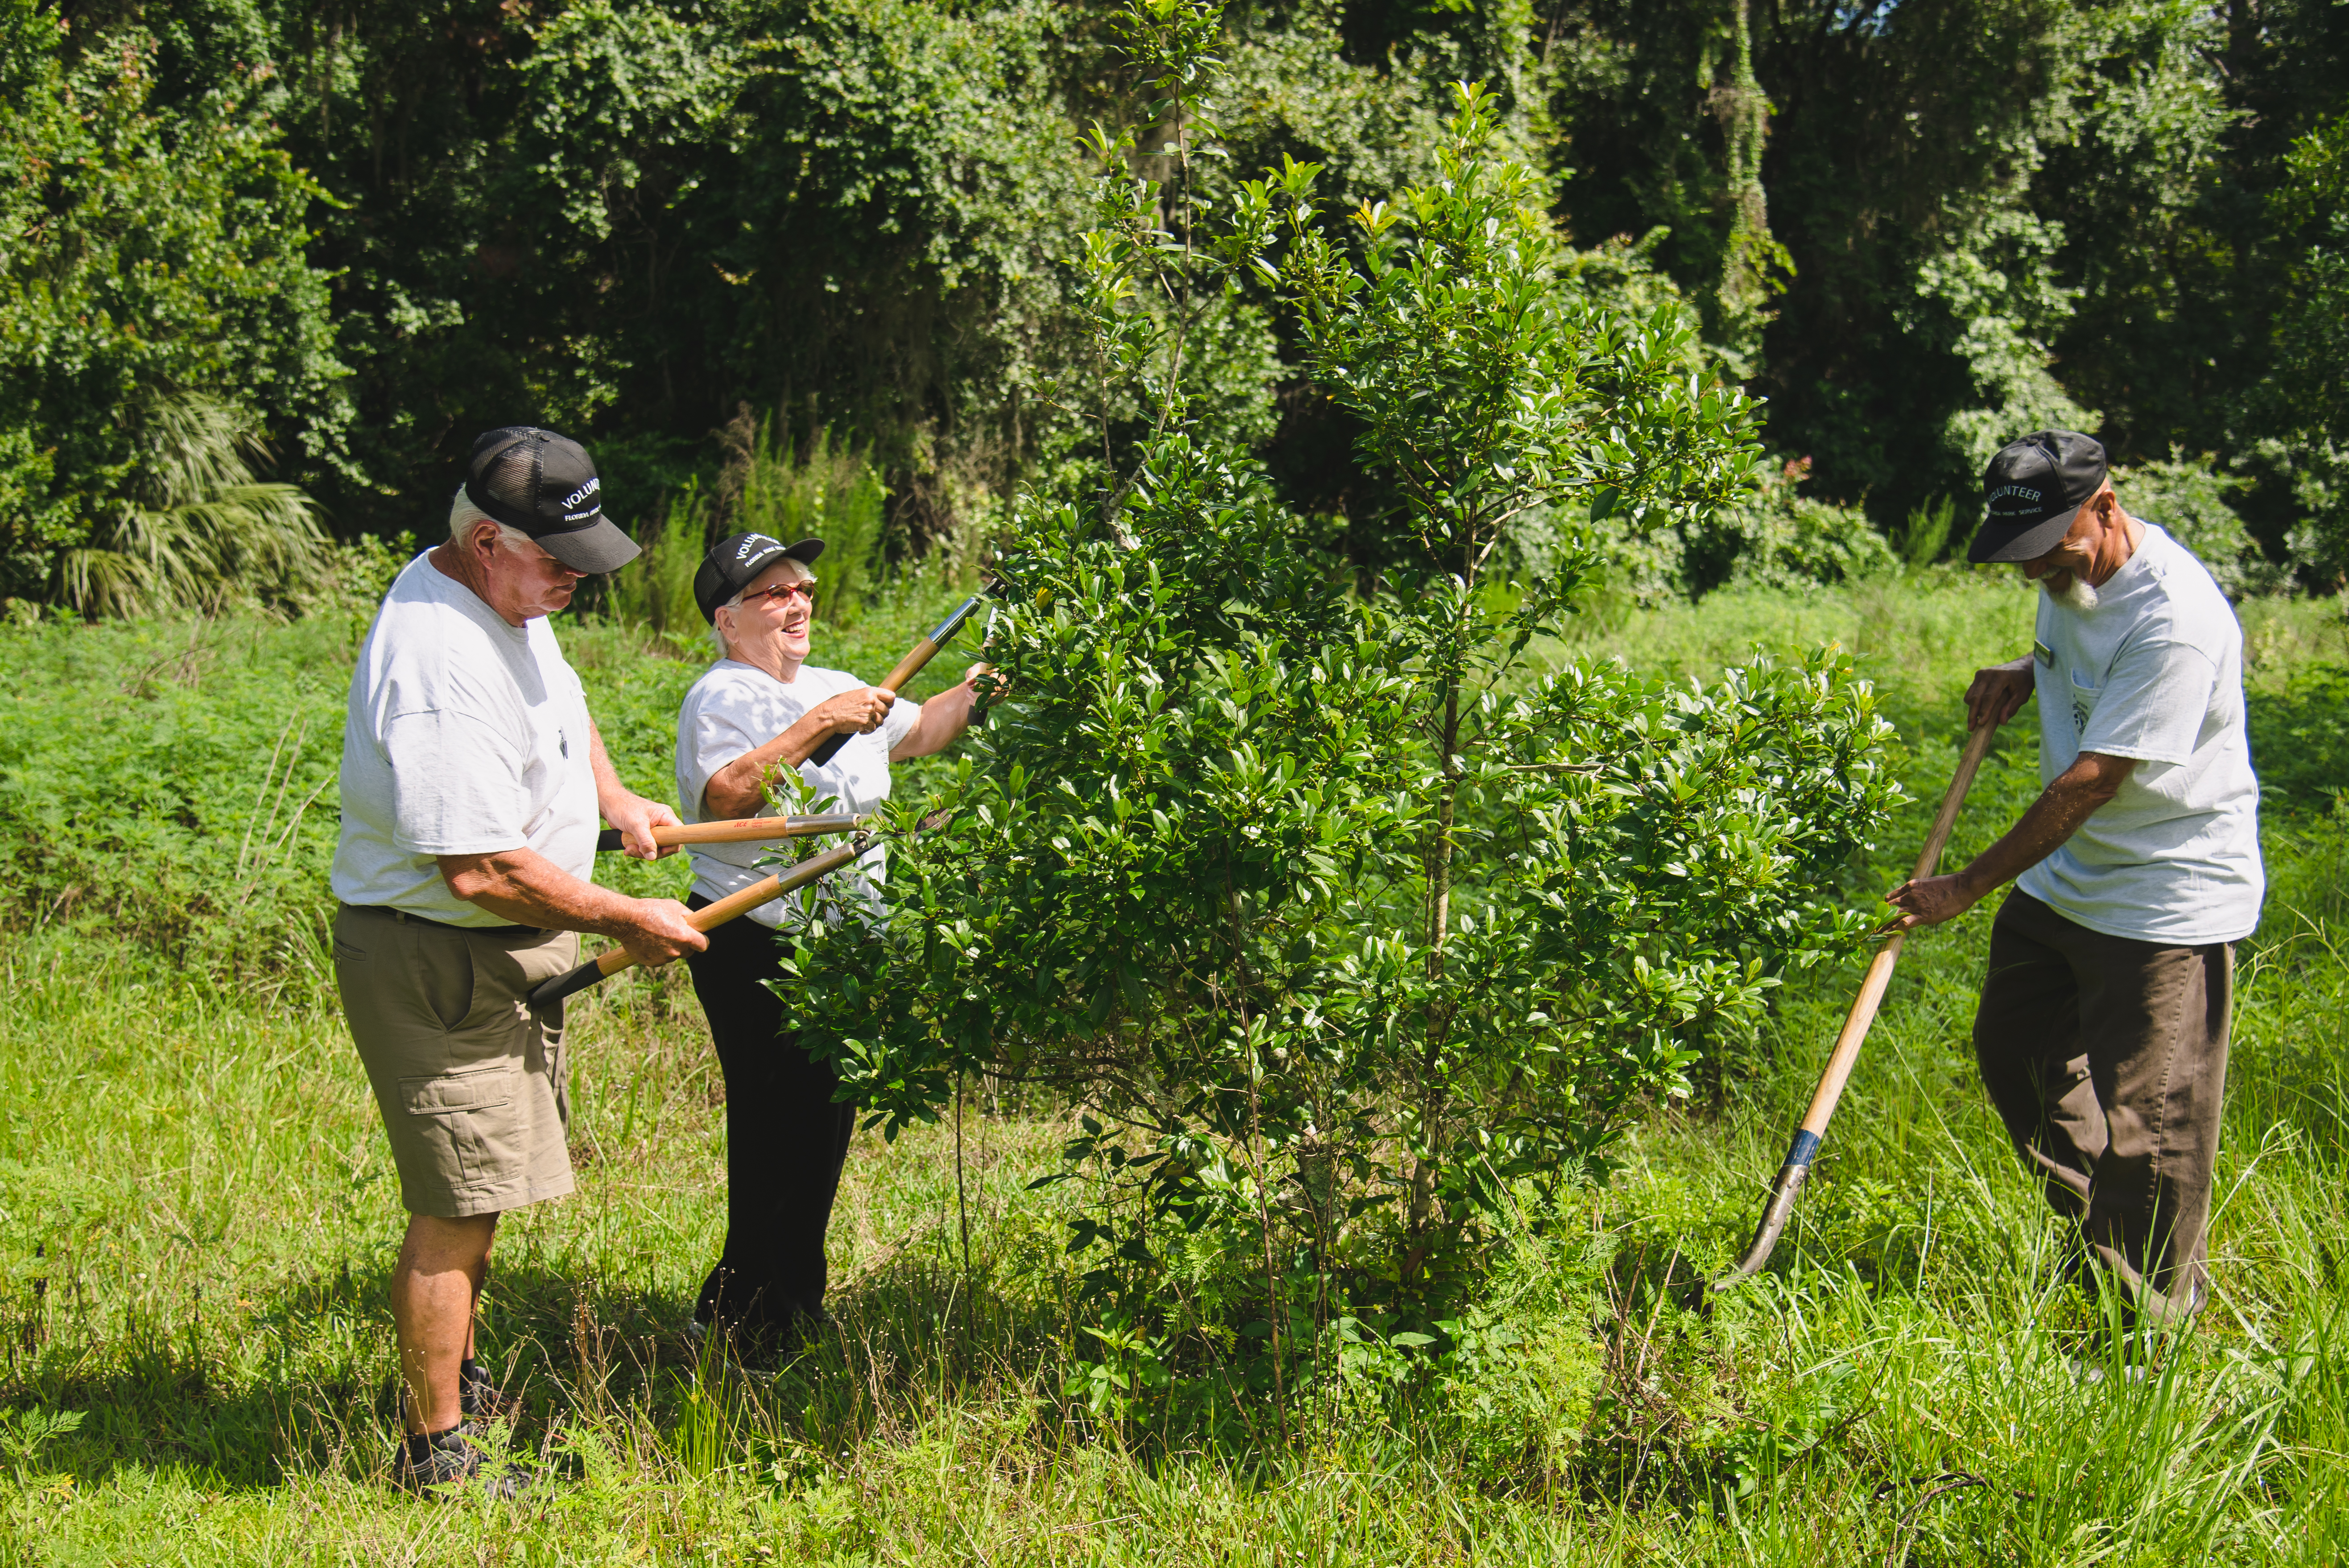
294, 255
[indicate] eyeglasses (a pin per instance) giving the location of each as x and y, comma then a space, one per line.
803, 588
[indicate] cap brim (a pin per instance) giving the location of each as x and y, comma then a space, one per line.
598, 547
2007, 543
805, 551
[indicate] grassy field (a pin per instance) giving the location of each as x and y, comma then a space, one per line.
197, 1217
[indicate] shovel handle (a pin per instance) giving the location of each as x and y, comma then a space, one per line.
909, 666
604, 966
1796, 1165
739, 831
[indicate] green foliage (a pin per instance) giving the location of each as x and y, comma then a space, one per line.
156, 306
1913, 230
1927, 535
1788, 540
2300, 741
655, 590
198, 531
830, 493
1349, 928
2313, 334
2193, 501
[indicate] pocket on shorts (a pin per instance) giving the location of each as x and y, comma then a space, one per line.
474, 1089
464, 1133
444, 974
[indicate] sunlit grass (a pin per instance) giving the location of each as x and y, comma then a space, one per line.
197, 1217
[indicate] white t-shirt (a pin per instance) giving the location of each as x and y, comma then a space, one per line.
2156, 673
464, 735
735, 708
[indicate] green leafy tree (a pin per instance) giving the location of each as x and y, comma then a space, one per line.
2312, 336
157, 313
1347, 925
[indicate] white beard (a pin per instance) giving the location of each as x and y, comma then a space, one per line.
2080, 594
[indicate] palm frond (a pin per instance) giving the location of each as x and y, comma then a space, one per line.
198, 529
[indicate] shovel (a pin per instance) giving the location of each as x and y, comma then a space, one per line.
603, 966
1805, 1147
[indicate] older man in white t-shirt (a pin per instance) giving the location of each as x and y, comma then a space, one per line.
472, 779
2102, 1031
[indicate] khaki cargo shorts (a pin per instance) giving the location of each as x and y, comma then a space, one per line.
472, 1082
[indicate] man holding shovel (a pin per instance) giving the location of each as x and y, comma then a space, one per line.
2102, 1031
472, 779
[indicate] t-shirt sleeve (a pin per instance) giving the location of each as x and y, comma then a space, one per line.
2153, 703
456, 785
904, 713
714, 737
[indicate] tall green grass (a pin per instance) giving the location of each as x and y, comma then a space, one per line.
197, 1218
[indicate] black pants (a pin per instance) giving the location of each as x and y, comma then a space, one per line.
786, 1139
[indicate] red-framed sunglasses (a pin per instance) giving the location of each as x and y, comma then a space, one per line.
803, 588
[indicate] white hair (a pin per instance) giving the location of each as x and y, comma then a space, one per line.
464, 517
716, 638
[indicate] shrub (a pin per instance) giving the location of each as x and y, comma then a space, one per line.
1351, 931
657, 589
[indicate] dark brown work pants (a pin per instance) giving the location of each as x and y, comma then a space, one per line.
2107, 1058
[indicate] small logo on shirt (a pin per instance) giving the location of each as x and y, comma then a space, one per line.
562, 744
2043, 653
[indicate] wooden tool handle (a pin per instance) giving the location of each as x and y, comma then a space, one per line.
912, 664
907, 669
604, 966
1797, 1167
1880, 969
739, 831
1977, 748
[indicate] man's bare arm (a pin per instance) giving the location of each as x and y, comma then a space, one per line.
2091, 780
525, 888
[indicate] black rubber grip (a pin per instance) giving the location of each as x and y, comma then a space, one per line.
608, 841
828, 750
562, 985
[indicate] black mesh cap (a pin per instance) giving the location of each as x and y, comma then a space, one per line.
735, 562
2032, 489
545, 485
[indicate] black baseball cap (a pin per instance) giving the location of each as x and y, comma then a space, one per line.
2032, 487
735, 562
545, 485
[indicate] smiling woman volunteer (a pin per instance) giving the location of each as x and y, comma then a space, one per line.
760, 708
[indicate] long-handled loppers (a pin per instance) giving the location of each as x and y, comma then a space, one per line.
1805, 1147
605, 964
739, 831
911, 665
